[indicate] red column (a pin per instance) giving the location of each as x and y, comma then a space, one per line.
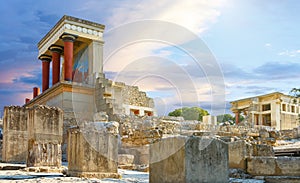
27, 100
237, 117
68, 55
56, 52
46, 59
36, 91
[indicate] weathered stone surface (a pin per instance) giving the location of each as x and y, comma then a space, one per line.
189, 159
209, 119
15, 136
262, 150
140, 153
274, 166
137, 131
101, 116
238, 151
45, 130
93, 150
282, 179
125, 159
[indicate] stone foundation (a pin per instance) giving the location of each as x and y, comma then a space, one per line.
189, 159
238, 151
15, 136
274, 166
93, 150
45, 129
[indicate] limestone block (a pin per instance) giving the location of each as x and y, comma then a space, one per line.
15, 134
262, 150
45, 130
210, 120
93, 150
140, 153
125, 159
263, 133
101, 116
274, 166
238, 151
289, 165
189, 159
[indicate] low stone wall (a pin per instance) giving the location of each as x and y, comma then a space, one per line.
238, 151
45, 130
93, 150
290, 134
189, 159
274, 166
140, 153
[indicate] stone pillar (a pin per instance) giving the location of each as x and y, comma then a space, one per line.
93, 150
95, 55
46, 59
45, 129
15, 136
68, 55
237, 117
36, 91
189, 159
56, 52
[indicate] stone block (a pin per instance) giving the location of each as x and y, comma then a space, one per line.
15, 136
238, 151
262, 150
125, 159
274, 166
45, 130
93, 150
189, 159
212, 120
140, 153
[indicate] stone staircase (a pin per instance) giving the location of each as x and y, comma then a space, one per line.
104, 98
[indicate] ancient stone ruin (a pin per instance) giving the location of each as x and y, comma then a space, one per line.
99, 125
189, 159
33, 135
93, 150
15, 134
45, 129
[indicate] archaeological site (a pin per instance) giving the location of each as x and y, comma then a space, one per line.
86, 126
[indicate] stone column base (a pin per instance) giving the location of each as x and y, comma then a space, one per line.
98, 175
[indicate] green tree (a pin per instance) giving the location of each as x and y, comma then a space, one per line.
225, 117
176, 113
228, 117
190, 113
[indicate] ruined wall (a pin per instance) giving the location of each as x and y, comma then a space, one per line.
238, 151
15, 136
274, 166
45, 130
189, 159
93, 150
116, 98
132, 96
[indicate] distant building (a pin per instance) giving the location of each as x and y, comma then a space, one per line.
275, 110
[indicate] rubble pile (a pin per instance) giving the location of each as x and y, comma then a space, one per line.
138, 131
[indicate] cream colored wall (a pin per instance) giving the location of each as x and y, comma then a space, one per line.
95, 60
279, 119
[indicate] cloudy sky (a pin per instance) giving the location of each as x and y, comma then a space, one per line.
243, 48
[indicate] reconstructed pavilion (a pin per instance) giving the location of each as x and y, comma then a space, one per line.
79, 87
276, 110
